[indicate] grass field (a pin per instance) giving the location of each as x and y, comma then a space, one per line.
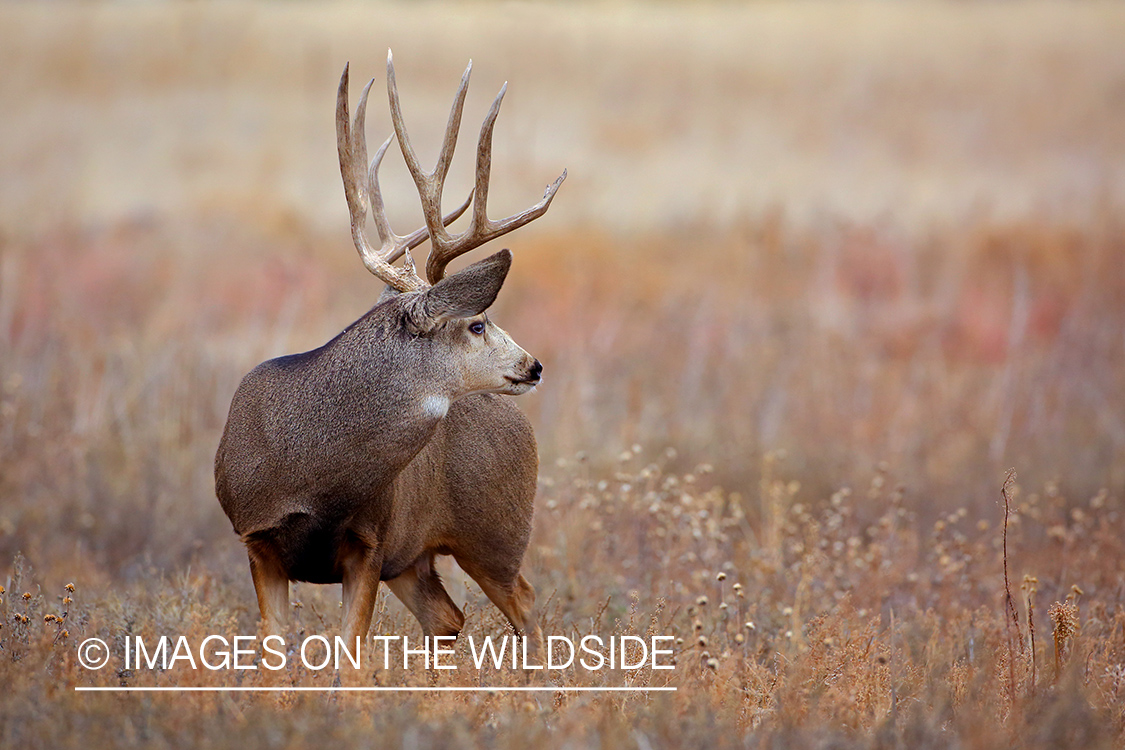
820, 275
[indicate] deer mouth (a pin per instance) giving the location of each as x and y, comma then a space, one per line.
524, 381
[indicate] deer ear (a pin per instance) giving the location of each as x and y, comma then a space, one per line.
468, 292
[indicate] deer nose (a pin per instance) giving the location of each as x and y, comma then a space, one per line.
536, 370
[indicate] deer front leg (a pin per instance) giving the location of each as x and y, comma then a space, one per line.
361, 585
271, 584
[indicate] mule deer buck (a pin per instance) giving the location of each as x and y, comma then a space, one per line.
362, 460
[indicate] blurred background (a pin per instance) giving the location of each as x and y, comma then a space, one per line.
862, 234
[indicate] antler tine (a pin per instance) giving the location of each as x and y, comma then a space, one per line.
430, 186
452, 129
351, 144
484, 159
375, 196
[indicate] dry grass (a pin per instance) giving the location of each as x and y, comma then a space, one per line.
797, 471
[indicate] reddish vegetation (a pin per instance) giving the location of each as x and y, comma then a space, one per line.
876, 614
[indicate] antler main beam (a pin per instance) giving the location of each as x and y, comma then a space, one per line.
481, 229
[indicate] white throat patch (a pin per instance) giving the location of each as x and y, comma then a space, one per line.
435, 406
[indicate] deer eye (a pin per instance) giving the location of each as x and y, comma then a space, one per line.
477, 327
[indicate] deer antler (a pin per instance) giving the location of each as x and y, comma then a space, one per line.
361, 188
446, 247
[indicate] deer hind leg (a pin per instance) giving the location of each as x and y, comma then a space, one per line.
513, 596
421, 590
271, 584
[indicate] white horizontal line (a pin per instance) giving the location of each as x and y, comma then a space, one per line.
238, 689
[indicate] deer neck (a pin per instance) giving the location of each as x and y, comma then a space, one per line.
397, 391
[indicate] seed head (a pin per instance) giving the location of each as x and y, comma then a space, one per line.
1064, 617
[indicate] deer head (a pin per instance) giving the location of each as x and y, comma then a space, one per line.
449, 311
454, 342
